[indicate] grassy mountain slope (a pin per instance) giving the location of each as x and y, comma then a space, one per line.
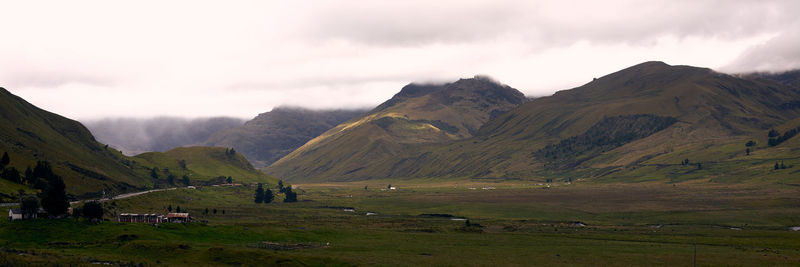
205, 163
715, 115
418, 115
272, 135
651, 114
30, 134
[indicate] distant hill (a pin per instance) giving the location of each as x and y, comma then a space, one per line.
135, 136
418, 115
272, 135
204, 164
29, 134
645, 116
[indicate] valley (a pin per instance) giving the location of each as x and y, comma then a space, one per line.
420, 223
651, 165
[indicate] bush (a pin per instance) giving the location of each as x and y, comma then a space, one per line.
93, 211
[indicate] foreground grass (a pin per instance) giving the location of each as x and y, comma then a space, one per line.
520, 224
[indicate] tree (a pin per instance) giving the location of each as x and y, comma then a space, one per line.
154, 173
93, 211
178, 209
750, 143
280, 186
185, 180
11, 174
182, 163
747, 151
699, 166
5, 160
223, 212
773, 133
29, 206
777, 166
215, 211
783, 166
389, 186
54, 199
29, 175
205, 212
169, 209
171, 179
268, 196
229, 180
291, 196
259, 194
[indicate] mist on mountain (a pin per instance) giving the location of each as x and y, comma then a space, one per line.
136, 135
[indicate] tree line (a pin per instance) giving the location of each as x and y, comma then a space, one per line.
267, 196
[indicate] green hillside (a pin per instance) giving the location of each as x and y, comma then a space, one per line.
204, 164
418, 115
29, 134
651, 114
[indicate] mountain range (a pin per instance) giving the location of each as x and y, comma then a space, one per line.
651, 113
648, 121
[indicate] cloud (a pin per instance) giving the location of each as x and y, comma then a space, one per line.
777, 54
89, 59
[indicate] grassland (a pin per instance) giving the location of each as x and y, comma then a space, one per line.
521, 223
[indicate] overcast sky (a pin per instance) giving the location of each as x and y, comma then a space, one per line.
94, 59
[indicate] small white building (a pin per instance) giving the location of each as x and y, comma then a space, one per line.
14, 214
17, 214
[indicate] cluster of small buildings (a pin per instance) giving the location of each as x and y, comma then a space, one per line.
154, 218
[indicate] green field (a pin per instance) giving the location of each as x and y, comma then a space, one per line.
520, 223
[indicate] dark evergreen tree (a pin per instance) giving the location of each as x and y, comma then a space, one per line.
205, 212
185, 180
169, 208
11, 174
178, 209
773, 133
29, 206
29, 176
280, 186
782, 165
215, 211
747, 151
259, 198
93, 211
154, 173
268, 196
291, 196
54, 198
5, 160
223, 212
229, 180
777, 166
171, 179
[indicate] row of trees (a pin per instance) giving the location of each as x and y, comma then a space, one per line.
267, 196
776, 138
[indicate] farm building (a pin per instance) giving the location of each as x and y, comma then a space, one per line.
178, 217
140, 218
14, 214
17, 214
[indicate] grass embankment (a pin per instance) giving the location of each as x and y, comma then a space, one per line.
521, 223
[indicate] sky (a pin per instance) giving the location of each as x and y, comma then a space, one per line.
96, 59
